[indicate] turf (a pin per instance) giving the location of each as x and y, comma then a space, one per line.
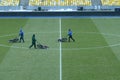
9, 26
82, 63
93, 56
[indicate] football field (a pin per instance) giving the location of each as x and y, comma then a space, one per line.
95, 54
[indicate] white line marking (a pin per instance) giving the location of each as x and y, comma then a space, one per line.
82, 48
8, 35
60, 50
2, 45
16, 34
116, 35
87, 48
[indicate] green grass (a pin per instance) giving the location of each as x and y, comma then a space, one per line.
88, 64
9, 26
31, 64
90, 57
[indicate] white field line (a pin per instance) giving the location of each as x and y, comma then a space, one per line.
8, 35
87, 48
116, 35
2, 45
16, 34
60, 50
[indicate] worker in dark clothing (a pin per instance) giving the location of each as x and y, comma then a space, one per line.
33, 42
21, 34
70, 35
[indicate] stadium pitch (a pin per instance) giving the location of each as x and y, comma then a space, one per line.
93, 56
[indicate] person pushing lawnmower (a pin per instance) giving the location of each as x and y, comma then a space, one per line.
21, 34
33, 41
38, 46
70, 37
16, 39
70, 33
